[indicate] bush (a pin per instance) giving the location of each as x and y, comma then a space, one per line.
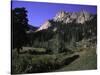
26, 63
20, 63
43, 64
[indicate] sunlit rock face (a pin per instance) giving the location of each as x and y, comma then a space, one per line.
83, 16
46, 25
68, 17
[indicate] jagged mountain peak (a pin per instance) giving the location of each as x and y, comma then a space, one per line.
61, 15
68, 17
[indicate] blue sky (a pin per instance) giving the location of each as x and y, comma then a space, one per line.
39, 12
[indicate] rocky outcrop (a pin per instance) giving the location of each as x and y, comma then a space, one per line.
77, 17
68, 17
46, 25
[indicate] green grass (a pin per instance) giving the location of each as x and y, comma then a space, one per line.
87, 61
30, 63
83, 59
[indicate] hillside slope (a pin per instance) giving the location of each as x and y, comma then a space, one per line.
86, 61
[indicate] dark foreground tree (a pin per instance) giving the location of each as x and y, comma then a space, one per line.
19, 28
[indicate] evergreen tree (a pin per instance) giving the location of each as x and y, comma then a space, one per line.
19, 28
